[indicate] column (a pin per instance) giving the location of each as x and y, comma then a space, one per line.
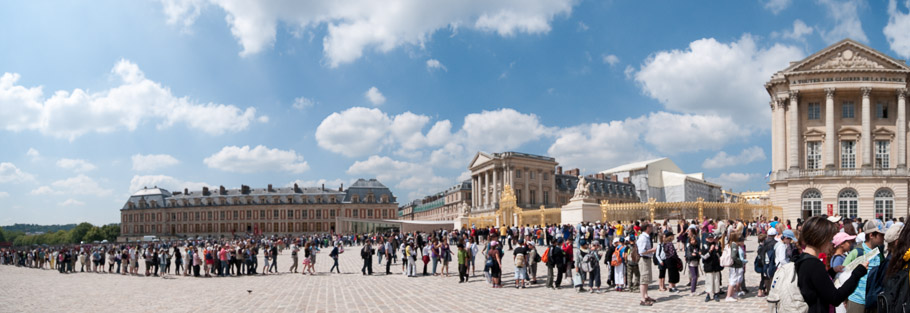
540, 188
774, 138
901, 128
829, 128
866, 136
496, 183
527, 192
781, 130
793, 131
473, 191
486, 186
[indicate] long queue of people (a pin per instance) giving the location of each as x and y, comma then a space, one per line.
823, 264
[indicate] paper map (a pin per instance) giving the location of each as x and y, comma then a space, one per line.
843, 276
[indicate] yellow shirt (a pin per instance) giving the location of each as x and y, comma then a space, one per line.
619, 229
502, 231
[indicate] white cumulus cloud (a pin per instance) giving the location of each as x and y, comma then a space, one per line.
610, 59
715, 78
79, 185
735, 180
137, 100
897, 31
152, 162
71, 202
77, 165
722, 159
434, 64
302, 103
33, 154
355, 26
255, 160
595, 147
10, 173
374, 96
798, 33
776, 6
138, 182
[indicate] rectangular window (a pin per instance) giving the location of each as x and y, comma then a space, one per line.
222, 215
847, 110
304, 213
332, 213
261, 213
290, 214
249, 214
881, 110
813, 155
815, 111
275, 214
518, 195
369, 213
236, 215
848, 154
318, 213
533, 198
546, 176
518, 174
531, 175
546, 197
882, 153
210, 216
355, 212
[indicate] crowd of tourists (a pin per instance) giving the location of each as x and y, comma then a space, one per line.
823, 264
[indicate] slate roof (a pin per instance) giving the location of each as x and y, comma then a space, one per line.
361, 188
567, 183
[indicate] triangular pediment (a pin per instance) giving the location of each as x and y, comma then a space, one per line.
848, 55
848, 131
479, 158
882, 132
814, 133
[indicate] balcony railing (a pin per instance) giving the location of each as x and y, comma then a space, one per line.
840, 172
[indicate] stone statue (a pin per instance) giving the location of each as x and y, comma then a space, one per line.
581, 189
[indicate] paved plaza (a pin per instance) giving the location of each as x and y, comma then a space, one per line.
32, 290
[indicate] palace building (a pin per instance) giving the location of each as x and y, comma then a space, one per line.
225, 212
536, 181
839, 134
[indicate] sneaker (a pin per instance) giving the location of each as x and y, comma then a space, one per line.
707, 298
674, 290
740, 294
730, 299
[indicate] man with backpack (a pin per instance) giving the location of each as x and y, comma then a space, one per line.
556, 259
366, 253
520, 258
630, 261
863, 298
765, 258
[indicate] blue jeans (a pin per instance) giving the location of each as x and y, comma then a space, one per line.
225, 268
435, 260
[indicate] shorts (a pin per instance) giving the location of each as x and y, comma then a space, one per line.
736, 275
644, 268
521, 273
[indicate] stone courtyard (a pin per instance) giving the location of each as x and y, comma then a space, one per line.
32, 290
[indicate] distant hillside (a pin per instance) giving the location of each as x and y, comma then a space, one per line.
33, 228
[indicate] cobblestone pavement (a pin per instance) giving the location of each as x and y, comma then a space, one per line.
32, 290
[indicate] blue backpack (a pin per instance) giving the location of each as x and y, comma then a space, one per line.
874, 281
770, 263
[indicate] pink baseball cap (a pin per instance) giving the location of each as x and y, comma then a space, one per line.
841, 237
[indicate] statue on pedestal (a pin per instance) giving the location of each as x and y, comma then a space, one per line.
581, 189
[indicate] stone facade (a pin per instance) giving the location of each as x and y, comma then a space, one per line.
443, 206
839, 134
224, 212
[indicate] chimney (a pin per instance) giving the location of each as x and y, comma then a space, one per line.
559, 170
221, 190
205, 191
625, 180
270, 188
186, 191
341, 188
323, 187
614, 178
599, 176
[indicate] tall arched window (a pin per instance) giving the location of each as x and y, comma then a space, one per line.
847, 203
812, 203
884, 203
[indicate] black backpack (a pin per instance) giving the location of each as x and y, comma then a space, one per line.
874, 281
895, 297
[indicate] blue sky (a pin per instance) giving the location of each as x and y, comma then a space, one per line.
100, 99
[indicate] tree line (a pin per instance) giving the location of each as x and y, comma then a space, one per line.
83, 232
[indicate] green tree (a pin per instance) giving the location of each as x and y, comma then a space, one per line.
94, 234
78, 233
2, 237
